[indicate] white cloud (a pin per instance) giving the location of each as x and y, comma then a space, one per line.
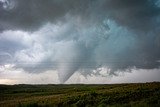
51, 77
69, 47
9, 75
135, 76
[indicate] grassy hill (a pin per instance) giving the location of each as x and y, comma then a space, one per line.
79, 95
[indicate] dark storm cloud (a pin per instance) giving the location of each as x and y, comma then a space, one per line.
136, 14
80, 35
29, 14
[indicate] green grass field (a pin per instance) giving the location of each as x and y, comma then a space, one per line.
79, 95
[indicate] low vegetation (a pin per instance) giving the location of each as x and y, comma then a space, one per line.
79, 95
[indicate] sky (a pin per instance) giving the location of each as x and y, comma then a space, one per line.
79, 41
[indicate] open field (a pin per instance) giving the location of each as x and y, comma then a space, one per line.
79, 95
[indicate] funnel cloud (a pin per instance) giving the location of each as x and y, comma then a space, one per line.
80, 36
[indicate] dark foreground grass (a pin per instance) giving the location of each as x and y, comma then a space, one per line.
78, 95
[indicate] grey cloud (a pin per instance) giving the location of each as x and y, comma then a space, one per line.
81, 35
136, 14
29, 14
